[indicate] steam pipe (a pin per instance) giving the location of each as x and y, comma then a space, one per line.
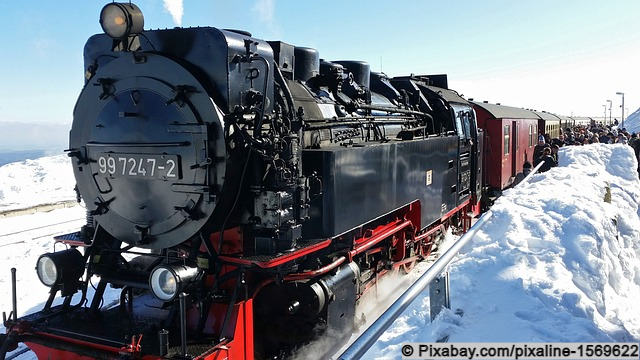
287, 92
183, 323
14, 296
394, 110
391, 229
257, 130
314, 273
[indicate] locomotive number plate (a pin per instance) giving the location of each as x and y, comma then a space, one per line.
140, 166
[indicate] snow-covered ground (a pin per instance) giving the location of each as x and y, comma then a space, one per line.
557, 262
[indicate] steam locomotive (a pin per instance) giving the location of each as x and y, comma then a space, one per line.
242, 195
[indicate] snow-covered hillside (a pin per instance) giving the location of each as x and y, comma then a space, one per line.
632, 123
34, 182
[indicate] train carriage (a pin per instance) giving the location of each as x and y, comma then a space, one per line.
565, 122
549, 124
510, 135
582, 121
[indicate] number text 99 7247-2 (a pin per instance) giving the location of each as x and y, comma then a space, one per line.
142, 166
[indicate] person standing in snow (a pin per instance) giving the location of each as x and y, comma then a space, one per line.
635, 144
554, 153
547, 160
526, 170
537, 150
622, 139
558, 141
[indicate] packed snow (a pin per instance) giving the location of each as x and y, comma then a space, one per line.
557, 262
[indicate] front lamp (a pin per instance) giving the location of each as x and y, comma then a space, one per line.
61, 268
168, 281
120, 20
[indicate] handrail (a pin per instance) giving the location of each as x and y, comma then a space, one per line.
533, 172
359, 347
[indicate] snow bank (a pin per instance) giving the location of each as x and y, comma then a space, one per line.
556, 263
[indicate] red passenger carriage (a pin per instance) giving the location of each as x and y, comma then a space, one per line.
510, 135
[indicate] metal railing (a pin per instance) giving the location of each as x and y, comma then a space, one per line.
359, 347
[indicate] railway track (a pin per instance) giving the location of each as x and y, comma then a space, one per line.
37, 208
50, 231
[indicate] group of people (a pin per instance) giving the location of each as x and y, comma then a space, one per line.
598, 133
546, 151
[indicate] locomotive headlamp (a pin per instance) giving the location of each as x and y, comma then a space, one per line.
60, 268
120, 20
168, 281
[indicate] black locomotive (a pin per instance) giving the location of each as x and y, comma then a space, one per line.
242, 194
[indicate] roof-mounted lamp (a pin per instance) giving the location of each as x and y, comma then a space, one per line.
119, 20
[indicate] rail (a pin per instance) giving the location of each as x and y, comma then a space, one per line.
533, 172
37, 208
359, 347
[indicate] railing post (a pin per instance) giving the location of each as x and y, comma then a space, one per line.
439, 294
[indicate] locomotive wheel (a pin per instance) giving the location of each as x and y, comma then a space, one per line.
408, 266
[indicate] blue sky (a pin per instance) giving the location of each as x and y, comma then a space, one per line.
561, 56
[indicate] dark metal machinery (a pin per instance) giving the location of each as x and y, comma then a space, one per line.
242, 194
